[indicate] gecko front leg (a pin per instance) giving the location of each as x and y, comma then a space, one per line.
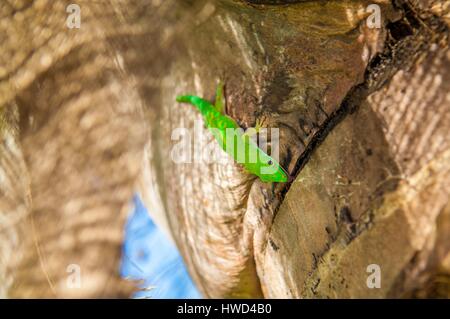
254, 132
220, 99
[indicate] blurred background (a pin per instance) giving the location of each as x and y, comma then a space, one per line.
150, 256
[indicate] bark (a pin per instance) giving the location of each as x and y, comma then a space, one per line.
87, 117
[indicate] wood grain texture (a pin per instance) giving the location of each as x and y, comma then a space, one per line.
80, 140
282, 66
87, 116
374, 192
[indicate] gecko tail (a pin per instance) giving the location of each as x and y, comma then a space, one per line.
191, 99
184, 99
202, 105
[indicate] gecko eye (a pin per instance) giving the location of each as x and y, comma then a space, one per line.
270, 162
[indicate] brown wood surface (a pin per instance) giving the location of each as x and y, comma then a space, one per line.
87, 116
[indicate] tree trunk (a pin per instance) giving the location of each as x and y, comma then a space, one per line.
87, 117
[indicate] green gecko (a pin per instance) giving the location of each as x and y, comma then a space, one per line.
245, 151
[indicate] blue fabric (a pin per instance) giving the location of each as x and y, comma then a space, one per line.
149, 255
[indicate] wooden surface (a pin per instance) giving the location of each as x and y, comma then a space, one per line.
87, 117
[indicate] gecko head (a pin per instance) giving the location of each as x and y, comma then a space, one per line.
271, 171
